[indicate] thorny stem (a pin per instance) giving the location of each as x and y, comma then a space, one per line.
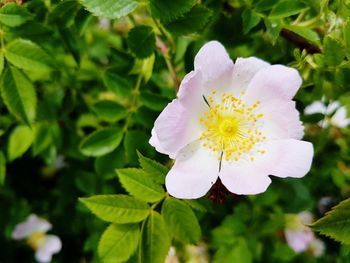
300, 41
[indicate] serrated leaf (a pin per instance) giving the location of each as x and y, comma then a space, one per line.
286, 8
120, 209
105, 165
20, 140
181, 220
305, 32
27, 55
118, 242
154, 169
111, 9
169, 10
336, 223
153, 101
109, 110
250, 20
18, 94
13, 15
155, 241
2, 168
191, 22
138, 184
101, 142
333, 51
142, 41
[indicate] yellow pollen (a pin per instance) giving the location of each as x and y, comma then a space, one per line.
232, 127
36, 240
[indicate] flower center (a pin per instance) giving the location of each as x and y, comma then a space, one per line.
232, 128
36, 240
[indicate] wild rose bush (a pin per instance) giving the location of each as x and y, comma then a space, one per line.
174, 131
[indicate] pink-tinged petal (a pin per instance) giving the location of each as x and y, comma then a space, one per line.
52, 245
281, 120
339, 118
243, 72
299, 239
289, 158
154, 141
212, 60
244, 179
191, 89
273, 82
194, 172
176, 127
31, 225
315, 107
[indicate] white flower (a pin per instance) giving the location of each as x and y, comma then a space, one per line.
339, 118
233, 121
300, 237
34, 231
172, 257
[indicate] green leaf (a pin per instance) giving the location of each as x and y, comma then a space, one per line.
13, 15
304, 32
118, 209
2, 168
181, 220
346, 33
155, 241
250, 20
42, 138
111, 9
106, 164
336, 223
18, 94
121, 86
109, 110
19, 142
169, 10
101, 142
64, 13
142, 41
140, 185
154, 169
237, 252
286, 8
2, 62
264, 5
118, 243
136, 140
153, 101
333, 51
27, 55
273, 28
191, 22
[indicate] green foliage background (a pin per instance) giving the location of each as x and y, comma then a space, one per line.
79, 96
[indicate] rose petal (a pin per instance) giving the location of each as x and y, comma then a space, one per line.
194, 172
31, 225
273, 82
52, 245
175, 128
212, 60
243, 72
244, 179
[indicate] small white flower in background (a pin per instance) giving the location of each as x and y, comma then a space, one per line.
33, 230
339, 118
235, 121
172, 257
104, 23
300, 237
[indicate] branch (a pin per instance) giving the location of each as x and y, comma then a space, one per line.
299, 41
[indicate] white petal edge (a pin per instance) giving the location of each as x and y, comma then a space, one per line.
315, 107
244, 70
174, 128
194, 172
52, 245
273, 82
212, 60
32, 224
